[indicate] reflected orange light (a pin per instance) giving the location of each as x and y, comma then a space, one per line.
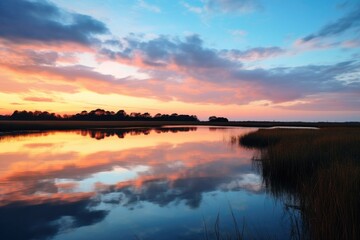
29, 160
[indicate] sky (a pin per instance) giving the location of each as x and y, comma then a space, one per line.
240, 59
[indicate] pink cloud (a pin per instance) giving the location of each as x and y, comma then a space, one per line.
38, 99
355, 43
349, 101
178, 69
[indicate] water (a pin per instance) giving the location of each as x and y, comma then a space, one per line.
163, 183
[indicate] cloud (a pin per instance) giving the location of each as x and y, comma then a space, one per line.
193, 9
46, 58
149, 7
227, 6
346, 23
39, 145
315, 44
253, 54
355, 43
236, 86
38, 99
349, 101
164, 51
238, 33
221, 74
291, 83
183, 69
18, 82
24, 20
224, 6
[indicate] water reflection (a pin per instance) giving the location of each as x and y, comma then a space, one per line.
67, 184
121, 133
46, 217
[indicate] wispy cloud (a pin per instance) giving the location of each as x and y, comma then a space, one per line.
194, 9
38, 99
224, 6
349, 22
354, 43
228, 6
349, 101
148, 6
254, 54
238, 33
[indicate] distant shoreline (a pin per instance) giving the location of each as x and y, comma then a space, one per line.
14, 125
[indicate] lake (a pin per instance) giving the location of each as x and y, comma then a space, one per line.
155, 183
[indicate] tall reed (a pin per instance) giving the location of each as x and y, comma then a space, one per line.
316, 171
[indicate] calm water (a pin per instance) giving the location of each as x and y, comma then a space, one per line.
162, 183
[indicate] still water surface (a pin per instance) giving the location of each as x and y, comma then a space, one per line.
162, 183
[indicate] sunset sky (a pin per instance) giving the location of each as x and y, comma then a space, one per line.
241, 59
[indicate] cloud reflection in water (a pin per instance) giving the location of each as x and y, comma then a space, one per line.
57, 181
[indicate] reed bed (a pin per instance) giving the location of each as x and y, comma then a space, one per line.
316, 172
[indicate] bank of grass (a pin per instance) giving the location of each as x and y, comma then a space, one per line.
18, 125
7, 126
319, 171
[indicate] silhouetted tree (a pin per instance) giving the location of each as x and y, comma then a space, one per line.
100, 115
121, 115
146, 115
158, 115
217, 119
37, 115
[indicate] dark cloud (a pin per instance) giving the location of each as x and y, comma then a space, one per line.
164, 50
24, 20
350, 21
192, 53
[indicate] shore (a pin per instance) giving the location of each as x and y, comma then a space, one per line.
9, 126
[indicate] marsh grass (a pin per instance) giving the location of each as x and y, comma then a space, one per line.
316, 172
216, 233
332, 204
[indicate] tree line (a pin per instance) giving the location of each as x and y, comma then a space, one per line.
98, 115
